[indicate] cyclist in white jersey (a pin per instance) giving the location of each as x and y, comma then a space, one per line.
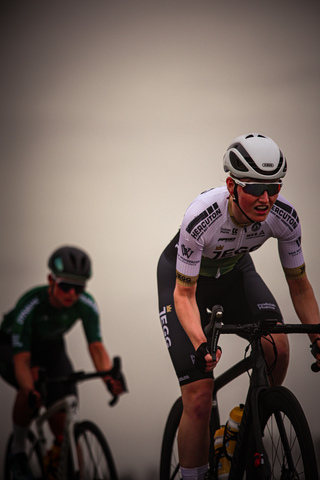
209, 262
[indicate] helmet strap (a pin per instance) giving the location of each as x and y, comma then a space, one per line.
236, 201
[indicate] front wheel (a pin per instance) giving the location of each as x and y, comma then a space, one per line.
286, 436
33, 453
94, 455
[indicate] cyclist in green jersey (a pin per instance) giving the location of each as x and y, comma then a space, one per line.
31, 336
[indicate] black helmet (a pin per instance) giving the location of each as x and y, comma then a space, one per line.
70, 262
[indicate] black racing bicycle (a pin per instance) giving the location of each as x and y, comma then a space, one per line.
274, 439
85, 452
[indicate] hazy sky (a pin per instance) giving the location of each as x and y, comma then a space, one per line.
114, 116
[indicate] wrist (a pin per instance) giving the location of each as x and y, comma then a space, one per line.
201, 352
315, 347
200, 341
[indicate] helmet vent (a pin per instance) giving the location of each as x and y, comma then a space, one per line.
236, 163
252, 136
73, 261
83, 263
285, 163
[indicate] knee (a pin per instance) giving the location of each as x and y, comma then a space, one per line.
197, 401
278, 358
283, 353
277, 351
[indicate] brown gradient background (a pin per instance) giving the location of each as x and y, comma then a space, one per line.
114, 116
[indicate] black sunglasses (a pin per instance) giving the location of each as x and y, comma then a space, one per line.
66, 287
257, 189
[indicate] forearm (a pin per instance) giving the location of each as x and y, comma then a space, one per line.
100, 357
188, 313
305, 303
102, 362
23, 372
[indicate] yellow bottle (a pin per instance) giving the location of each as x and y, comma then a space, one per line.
232, 429
222, 463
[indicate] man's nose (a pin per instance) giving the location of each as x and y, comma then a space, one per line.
264, 196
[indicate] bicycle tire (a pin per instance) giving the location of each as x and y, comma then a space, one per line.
298, 459
34, 455
94, 454
169, 461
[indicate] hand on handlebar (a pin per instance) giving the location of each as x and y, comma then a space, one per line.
116, 382
115, 386
315, 350
203, 359
34, 399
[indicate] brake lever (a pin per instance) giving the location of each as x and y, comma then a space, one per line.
212, 330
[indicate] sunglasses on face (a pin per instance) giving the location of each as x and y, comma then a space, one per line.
257, 189
66, 287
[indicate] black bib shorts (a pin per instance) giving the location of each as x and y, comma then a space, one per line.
242, 293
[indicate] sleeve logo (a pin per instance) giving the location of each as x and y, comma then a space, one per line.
186, 252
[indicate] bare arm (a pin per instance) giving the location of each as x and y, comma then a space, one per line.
305, 304
23, 371
189, 317
100, 357
188, 313
102, 362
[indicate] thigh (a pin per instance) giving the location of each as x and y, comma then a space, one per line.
6, 361
249, 299
179, 346
53, 357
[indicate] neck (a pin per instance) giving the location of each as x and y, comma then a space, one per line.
237, 215
52, 300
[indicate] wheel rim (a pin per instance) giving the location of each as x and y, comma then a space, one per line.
283, 449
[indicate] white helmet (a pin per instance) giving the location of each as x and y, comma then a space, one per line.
255, 156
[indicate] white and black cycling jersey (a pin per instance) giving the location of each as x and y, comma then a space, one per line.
211, 243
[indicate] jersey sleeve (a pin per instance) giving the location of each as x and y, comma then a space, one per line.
292, 259
22, 318
90, 318
289, 240
189, 256
199, 224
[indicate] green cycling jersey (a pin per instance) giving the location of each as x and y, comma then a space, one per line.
35, 320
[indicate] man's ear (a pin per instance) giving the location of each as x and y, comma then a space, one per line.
230, 185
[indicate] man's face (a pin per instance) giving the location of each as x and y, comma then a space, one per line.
64, 293
256, 207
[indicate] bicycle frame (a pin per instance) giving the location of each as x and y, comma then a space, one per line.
274, 437
69, 406
259, 382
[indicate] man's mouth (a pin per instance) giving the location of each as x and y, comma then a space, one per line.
261, 208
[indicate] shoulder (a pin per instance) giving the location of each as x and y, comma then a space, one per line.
218, 194
86, 302
33, 296
206, 205
285, 212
